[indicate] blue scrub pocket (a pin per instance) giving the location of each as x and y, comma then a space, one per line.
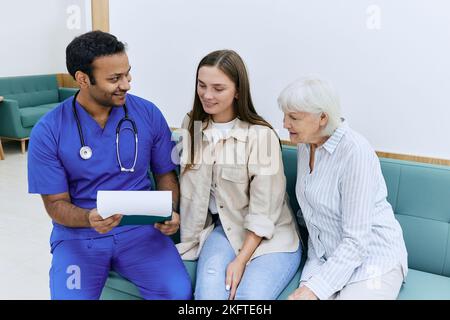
54, 244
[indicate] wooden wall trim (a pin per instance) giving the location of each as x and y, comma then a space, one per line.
442, 162
65, 80
398, 156
100, 21
100, 15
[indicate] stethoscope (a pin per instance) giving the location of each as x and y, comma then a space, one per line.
86, 151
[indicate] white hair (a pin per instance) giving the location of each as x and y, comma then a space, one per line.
312, 95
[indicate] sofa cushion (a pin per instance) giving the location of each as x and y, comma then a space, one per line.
425, 286
424, 192
290, 170
420, 197
49, 106
426, 242
29, 116
391, 174
120, 284
30, 90
125, 287
126, 290
447, 261
419, 285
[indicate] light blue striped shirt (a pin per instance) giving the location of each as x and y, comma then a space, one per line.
353, 234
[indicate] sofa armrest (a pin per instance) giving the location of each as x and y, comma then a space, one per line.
65, 93
9, 118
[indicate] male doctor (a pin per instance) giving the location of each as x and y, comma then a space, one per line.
74, 152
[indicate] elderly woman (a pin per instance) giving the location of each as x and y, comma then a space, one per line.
355, 247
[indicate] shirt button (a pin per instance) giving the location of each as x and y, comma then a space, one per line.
221, 207
229, 228
215, 185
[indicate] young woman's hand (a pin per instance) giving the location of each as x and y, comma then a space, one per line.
235, 270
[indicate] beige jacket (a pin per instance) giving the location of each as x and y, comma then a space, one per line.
247, 172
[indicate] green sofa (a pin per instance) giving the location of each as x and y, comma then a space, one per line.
420, 196
26, 100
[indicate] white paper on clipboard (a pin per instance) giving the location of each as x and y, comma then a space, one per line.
142, 203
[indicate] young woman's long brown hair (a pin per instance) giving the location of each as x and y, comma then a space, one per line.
230, 63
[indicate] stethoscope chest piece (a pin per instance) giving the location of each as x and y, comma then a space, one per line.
85, 152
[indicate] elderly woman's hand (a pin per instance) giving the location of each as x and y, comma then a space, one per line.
303, 293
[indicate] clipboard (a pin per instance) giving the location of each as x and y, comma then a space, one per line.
140, 220
137, 207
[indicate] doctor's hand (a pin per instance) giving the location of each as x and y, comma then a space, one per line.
303, 293
169, 227
103, 225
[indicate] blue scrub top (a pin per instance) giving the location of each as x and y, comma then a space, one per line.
55, 165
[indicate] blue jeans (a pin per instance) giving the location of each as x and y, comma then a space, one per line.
264, 278
143, 255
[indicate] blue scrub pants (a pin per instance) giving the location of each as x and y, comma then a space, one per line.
143, 255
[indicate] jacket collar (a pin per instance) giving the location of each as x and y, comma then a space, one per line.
239, 130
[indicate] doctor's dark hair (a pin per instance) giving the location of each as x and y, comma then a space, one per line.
84, 49
230, 63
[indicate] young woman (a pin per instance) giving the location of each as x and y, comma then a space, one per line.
235, 216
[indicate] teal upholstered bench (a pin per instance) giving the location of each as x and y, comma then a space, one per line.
420, 197
26, 100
